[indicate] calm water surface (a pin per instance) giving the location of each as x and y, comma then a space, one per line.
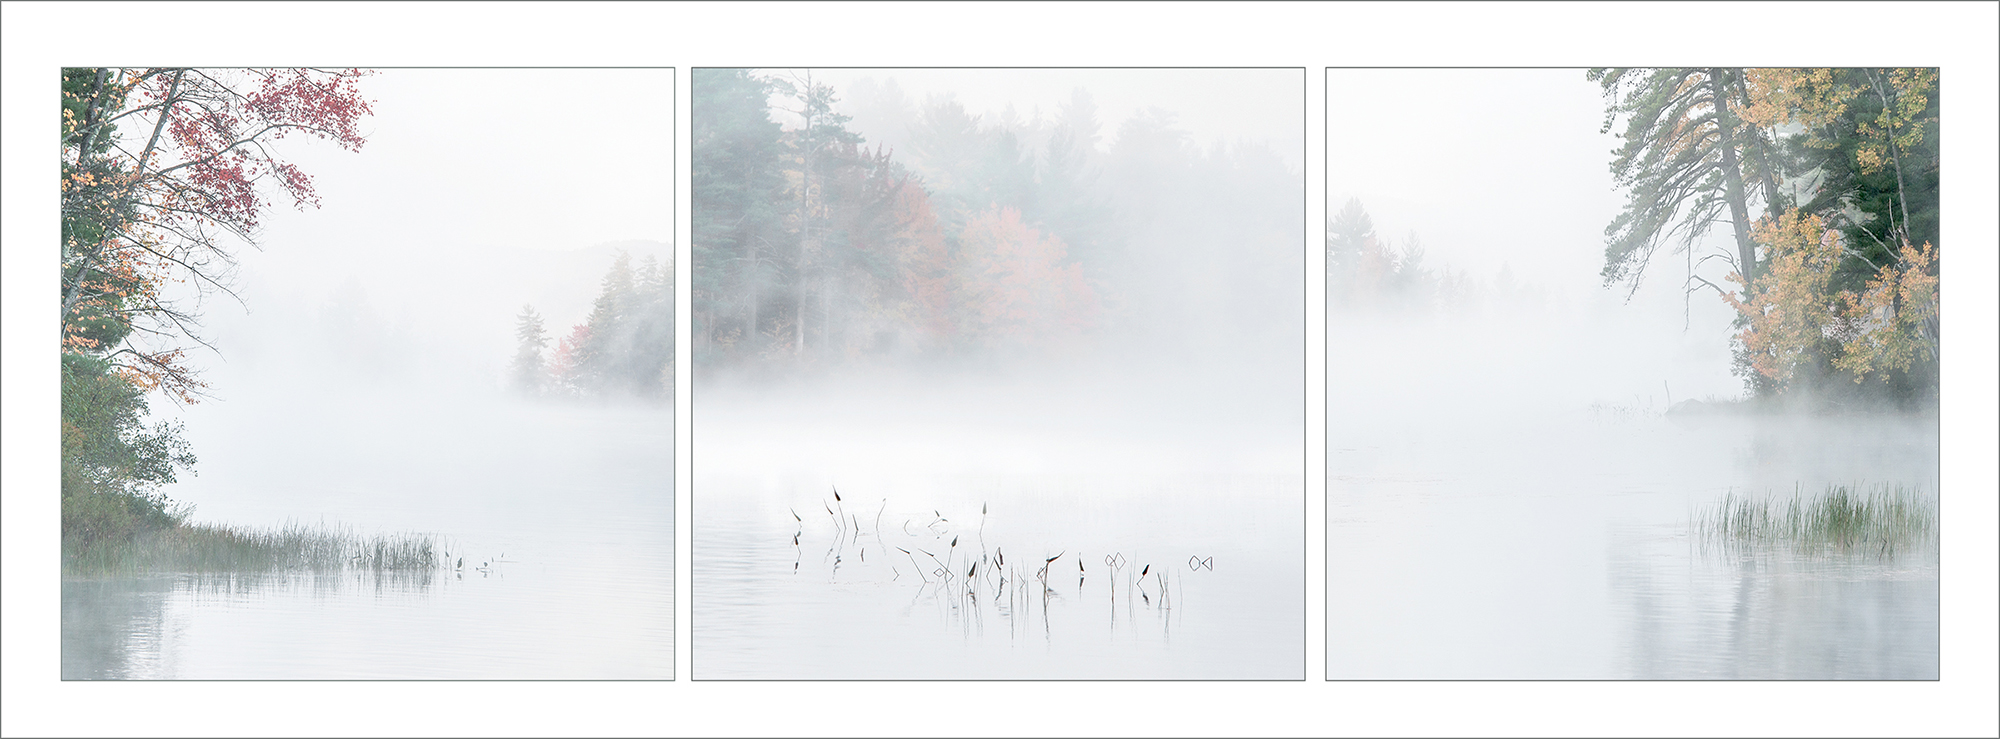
1556, 545
848, 602
572, 505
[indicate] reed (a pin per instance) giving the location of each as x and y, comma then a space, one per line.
214, 548
964, 575
1881, 520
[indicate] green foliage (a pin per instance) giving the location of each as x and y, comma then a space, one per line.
1864, 185
967, 166
138, 216
1687, 163
981, 236
623, 349
112, 465
1853, 151
738, 188
1882, 520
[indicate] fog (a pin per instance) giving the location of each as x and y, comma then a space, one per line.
1191, 256
362, 380
1508, 494
1079, 314
430, 239
1211, 105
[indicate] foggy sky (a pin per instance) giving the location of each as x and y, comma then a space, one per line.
1226, 105
537, 158
1507, 167
1489, 166
478, 190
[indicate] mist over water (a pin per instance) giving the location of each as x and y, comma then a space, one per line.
359, 404
1085, 360
1508, 494
1058, 470
364, 385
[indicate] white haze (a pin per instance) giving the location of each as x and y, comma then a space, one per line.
479, 190
1199, 359
1501, 169
1175, 428
361, 383
1212, 105
1506, 498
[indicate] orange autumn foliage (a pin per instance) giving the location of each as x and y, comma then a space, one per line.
924, 262
1017, 285
1791, 311
1894, 316
1794, 311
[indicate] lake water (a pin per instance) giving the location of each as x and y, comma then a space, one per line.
1481, 535
572, 505
1182, 577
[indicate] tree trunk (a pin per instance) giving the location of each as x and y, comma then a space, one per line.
75, 292
1732, 177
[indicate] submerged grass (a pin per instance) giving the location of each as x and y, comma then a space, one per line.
210, 548
1883, 520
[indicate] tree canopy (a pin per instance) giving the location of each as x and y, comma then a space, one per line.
165, 175
984, 234
1828, 179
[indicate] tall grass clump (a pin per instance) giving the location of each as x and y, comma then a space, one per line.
1883, 520
214, 548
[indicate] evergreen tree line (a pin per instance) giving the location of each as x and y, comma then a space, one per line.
813, 248
624, 348
1368, 272
1827, 180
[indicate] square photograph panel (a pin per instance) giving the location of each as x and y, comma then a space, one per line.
367, 374
1632, 374
998, 373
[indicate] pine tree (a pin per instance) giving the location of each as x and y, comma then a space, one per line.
527, 374
609, 341
1689, 162
1347, 237
738, 184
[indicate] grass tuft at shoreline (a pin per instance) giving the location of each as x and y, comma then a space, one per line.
211, 548
1883, 520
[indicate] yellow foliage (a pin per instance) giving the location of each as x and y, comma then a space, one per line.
1893, 315
1794, 308
1791, 309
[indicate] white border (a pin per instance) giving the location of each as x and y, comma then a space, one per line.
40, 37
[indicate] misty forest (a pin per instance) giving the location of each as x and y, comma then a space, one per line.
974, 239
981, 365
623, 349
312, 423
1707, 443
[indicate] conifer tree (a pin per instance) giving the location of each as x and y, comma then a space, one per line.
527, 375
1689, 161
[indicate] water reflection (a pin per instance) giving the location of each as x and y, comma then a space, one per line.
1696, 611
116, 629
563, 517
1560, 547
966, 585
134, 628
1010, 577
